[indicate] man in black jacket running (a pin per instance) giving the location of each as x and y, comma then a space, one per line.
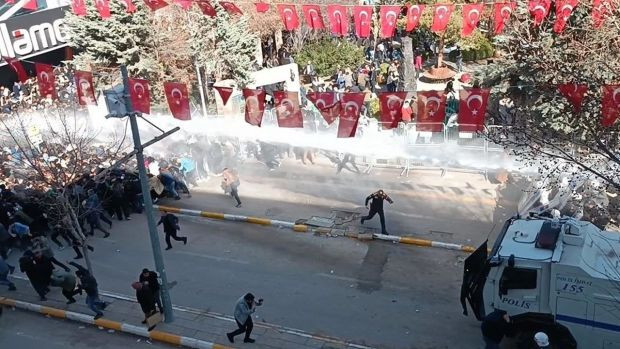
376, 206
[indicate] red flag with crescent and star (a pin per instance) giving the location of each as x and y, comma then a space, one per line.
600, 10
441, 17
338, 19
224, 92
140, 95
103, 7
351, 106
261, 7
563, 10
312, 14
17, 67
389, 17
130, 6
46, 79
78, 7
178, 100
574, 93
472, 109
326, 103
503, 11
155, 5
471, 17
414, 13
287, 109
431, 111
231, 8
539, 9
254, 106
184, 4
391, 106
206, 8
85, 87
362, 17
610, 105
288, 13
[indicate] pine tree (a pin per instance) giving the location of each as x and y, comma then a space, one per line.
223, 45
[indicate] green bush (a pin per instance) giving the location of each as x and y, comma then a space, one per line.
327, 54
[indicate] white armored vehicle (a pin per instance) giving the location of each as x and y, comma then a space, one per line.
560, 276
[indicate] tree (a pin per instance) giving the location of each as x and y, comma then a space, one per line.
224, 45
329, 54
546, 130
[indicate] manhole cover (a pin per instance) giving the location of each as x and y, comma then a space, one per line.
322, 222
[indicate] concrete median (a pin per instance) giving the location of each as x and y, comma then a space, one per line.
302, 228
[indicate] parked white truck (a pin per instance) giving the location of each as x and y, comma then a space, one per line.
559, 276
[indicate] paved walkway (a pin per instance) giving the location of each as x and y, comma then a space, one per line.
193, 323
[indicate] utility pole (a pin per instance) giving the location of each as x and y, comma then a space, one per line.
148, 203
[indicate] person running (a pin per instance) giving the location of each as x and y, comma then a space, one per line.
244, 309
88, 283
230, 183
67, 282
171, 226
376, 206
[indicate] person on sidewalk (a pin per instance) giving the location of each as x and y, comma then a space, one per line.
230, 183
171, 226
67, 282
144, 295
28, 266
244, 309
152, 278
494, 327
5, 270
376, 206
88, 283
41, 246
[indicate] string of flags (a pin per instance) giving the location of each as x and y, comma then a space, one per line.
346, 107
339, 21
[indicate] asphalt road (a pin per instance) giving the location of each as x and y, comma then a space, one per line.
20, 329
380, 294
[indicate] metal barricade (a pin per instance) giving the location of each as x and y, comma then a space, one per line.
425, 134
466, 136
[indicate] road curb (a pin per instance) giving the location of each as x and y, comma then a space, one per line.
160, 336
302, 228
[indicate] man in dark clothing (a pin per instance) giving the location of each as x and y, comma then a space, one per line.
244, 309
145, 297
151, 278
376, 206
66, 281
171, 225
28, 266
88, 283
494, 327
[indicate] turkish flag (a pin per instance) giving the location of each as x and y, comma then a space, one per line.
206, 8
261, 7
431, 111
312, 14
46, 79
472, 109
610, 104
351, 105
539, 9
563, 10
140, 95
600, 10
338, 19
224, 92
130, 6
31, 5
155, 5
362, 17
287, 109
231, 8
178, 100
391, 106
254, 106
78, 7
103, 7
85, 87
471, 17
441, 17
414, 13
574, 93
503, 11
388, 16
17, 67
326, 103
288, 13
184, 4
